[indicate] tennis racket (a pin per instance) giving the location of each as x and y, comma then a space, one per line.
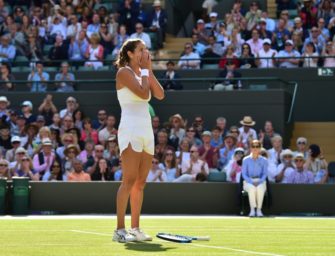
180, 238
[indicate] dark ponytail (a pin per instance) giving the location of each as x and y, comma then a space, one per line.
129, 45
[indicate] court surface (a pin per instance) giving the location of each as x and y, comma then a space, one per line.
92, 235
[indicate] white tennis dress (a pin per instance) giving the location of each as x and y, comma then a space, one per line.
135, 126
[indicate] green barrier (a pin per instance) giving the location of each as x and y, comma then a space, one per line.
3, 191
20, 195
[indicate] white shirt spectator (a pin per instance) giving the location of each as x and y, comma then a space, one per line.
310, 62
266, 63
143, 36
255, 46
288, 172
244, 136
189, 61
73, 30
58, 29
157, 176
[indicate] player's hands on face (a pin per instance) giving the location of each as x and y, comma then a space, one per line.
145, 61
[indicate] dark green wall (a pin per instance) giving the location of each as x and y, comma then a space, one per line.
178, 198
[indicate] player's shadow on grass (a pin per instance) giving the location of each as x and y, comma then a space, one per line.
147, 247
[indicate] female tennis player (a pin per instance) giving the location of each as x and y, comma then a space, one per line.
135, 83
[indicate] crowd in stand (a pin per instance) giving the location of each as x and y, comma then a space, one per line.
247, 36
65, 145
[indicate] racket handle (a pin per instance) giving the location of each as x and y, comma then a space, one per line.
201, 238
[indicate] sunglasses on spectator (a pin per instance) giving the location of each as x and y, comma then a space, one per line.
233, 131
25, 160
3, 165
21, 153
298, 160
56, 166
301, 142
99, 151
155, 162
69, 141
191, 130
72, 151
188, 47
256, 146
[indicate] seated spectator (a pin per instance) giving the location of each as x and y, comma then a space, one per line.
27, 111
230, 57
56, 171
266, 136
5, 138
87, 152
94, 52
106, 39
6, 77
4, 171
10, 154
255, 42
59, 51
266, 56
316, 38
217, 138
302, 147
310, 56
102, 171
78, 117
101, 120
119, 39
70, 155
109, 129
221, 123
298, 29
65, 78
191, 169
117, 171
300, 175
183, 152
235, 39
66, 139
212, 25
274, 156
263, 31
141, 35
26, 169
213, 50
169, 165
253, 16
328, 53
198, 47
285, 168
37, 77
308, 14
254, 172
20, 152
112, 151
71, 106
207, 152
226, 153
234, 167
288, 23
158, 22
199, 125
156, 174
190, 59
57, 28
247, 59
128, 12
4, 103
33, 49
331, 27
288, 57
7, 50
316, 163
177, 131
88, 133
247, 133
18, 39
163, 144
191, 136
74, 28
170, 75
92, 161
298, 44
324, 31
201, 31
78, 47
280, 35
285, 5
78, 173
56, 122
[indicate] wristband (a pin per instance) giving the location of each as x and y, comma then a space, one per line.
145, 72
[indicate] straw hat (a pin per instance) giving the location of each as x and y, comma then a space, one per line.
156, 3
69, 147
247, 121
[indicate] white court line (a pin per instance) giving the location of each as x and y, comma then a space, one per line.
190, 244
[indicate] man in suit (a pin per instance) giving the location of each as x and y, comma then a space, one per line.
170, 75
158, 22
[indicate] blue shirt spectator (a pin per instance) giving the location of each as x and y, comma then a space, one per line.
7, 51
292, 62
78, 48
65, 79
254, 168
38, 77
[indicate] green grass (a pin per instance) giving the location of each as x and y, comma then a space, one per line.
229, 236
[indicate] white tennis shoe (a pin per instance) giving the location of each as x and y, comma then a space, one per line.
122, 236
139, 234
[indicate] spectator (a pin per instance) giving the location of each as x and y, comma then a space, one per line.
156, 174
274, 155
324, 31
67, 139
112, 150
20, 123
4, 103
163, 144
71, 106
119, 39
198, 47
266, 136
128, 12
300, 175
190, 59
65, 78
298, 28
43, 160
217, 139
78, 117
183, 153
212, 25
247, 133
78, 47
247, 59
55, 138
94, 52
234, 167
31, 131
285, 168
78, 174
177, 131
170, 75
7, 50
4, 11
284, 15
101, 121
71, 153
227, 151
26, 169
56, 122
328, 53
253, 16
102, 171
6, 78
74, 28
105, 39
158, 22
213, 50
10, 154
33, 49
19, 154
170, 165
221, 122
285, 5
297, 42
88, 133
308, 14
139, 34
325, 11
112, 24
316, 163
265, 57
109, 130
92, 161
4, 171
59, 51
193, 169
223, 38
87, 152
55, 171
254, 172
156, 126
263, 32
270, 23
280, 35
12, 123
27, 111
302, 147
57, 28
230, 57
288, 58
192, 138
310, 56
255, 42
68, 124
317, 39
38, 78
208, 153
230, 78
201, 31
